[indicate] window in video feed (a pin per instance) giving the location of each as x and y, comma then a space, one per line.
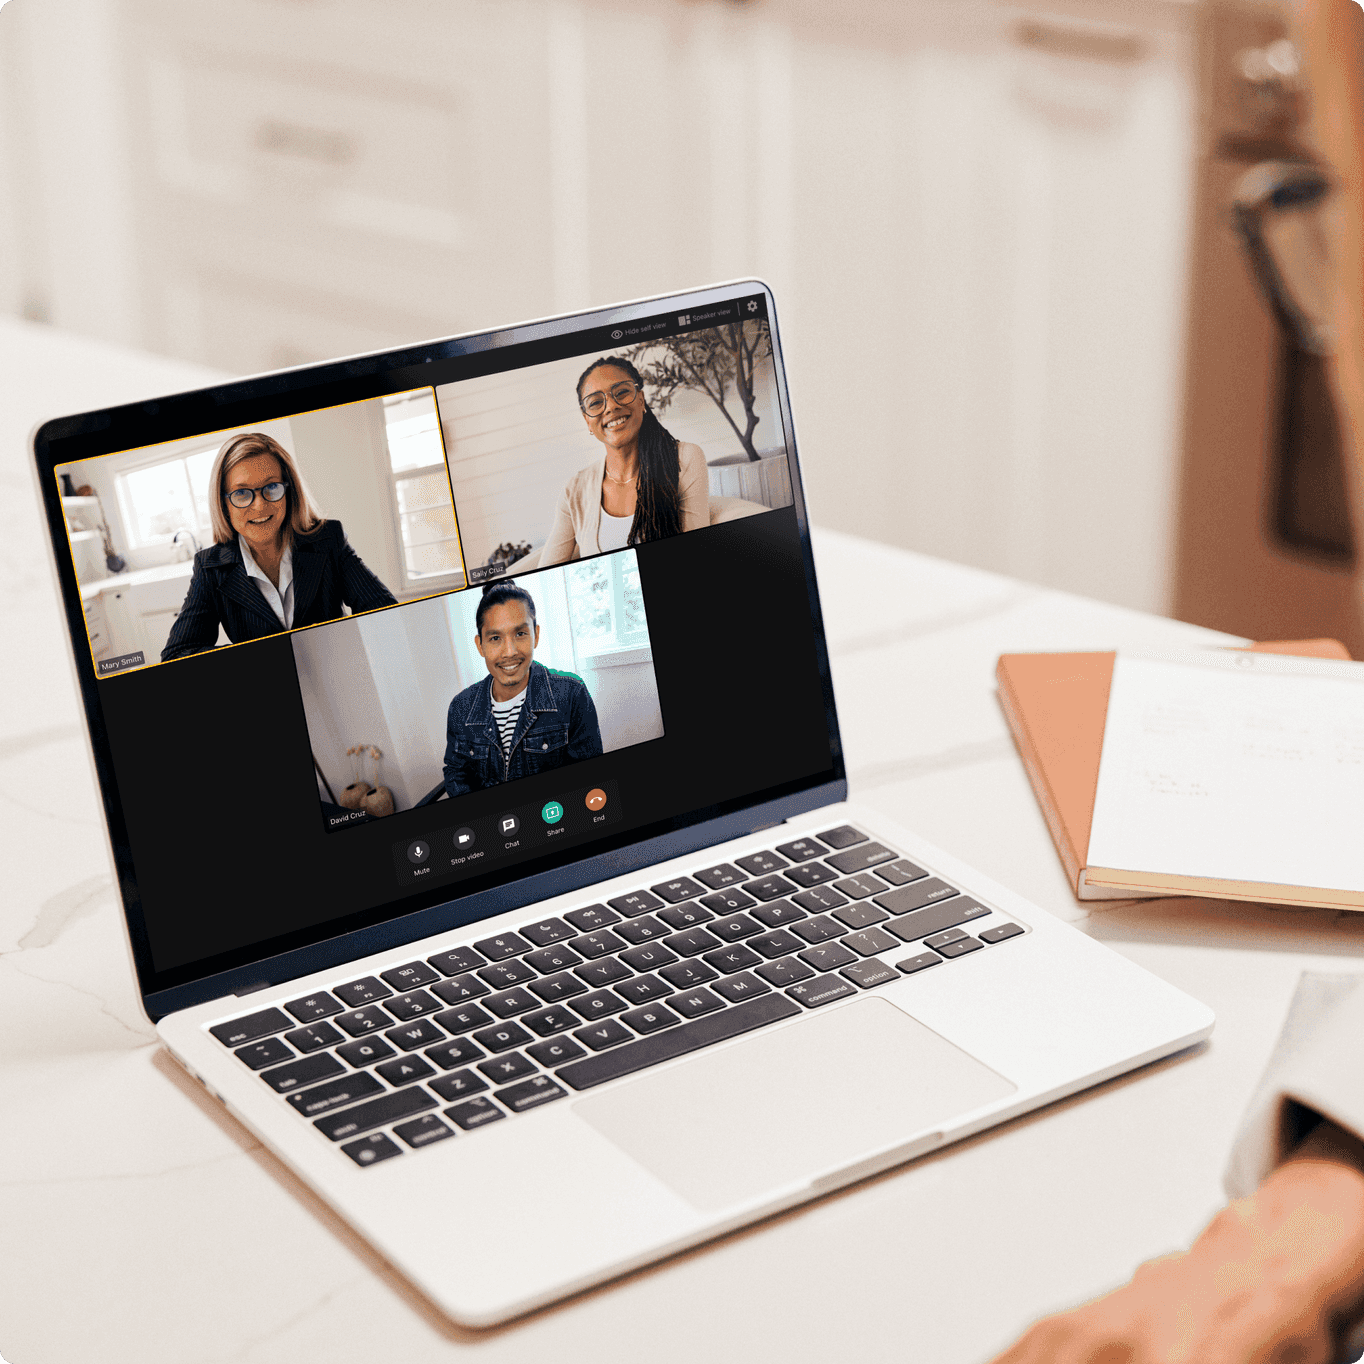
424, 704
669, 435
235, 535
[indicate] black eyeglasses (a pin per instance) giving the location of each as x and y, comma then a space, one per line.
242, 498
624, 393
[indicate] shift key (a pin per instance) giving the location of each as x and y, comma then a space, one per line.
350, 1122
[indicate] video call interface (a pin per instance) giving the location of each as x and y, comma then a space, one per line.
399, 647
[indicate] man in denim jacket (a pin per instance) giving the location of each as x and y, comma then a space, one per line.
523, 718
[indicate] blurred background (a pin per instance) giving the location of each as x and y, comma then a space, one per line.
1022, 324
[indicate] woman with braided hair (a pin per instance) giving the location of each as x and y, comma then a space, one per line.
647, 484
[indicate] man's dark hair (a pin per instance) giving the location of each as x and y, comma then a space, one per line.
498, 592
658, 507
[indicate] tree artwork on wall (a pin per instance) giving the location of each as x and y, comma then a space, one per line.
710, 362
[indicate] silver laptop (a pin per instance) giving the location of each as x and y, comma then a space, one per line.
468, 748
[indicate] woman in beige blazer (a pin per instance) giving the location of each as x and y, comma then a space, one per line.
647, 485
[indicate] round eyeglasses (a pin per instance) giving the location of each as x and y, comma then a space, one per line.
242, 498
624, 394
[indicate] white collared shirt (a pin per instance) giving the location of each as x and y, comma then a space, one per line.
279, 599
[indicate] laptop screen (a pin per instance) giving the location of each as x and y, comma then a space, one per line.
402, 642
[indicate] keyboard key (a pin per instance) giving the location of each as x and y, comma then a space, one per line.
335, 1094
509, 1003
413, 1005
810, 874
530, 1094
684, 974
458, 1084
860, 886
869, 974
410, 1036
456, 961
251, 1027
769, 888
915, 895
510, 1067
820, 899
465, 1017
546, 1022
423, 1131
607, 1033
364, 1051
861, 914
777, 944
802, 850
357, 992
547, 931
369, 1019
644, 929
778, 913
842, 837
372, 1149
555, 1051
727, 901
998, 934
474, 1113
692, 941
860, 858
823, 990
820, 929
637, 902
869, 942
736, 989
551, 959
935, 918
554, 988
679, 888
461, 988
258, 1055
717, 878
685, 916
673, 1042
641, 989
651, 1018
598, 944
960, 948
313, 1038
828, 956
912, 964
451, 1055
408, 977
900, 873
591, 918
503, 1037
598, 1004
734, 927
694, 1003
404, 1070
604, 972
502, 975
388, 1108
312, 1007
648, 957
727, 960
504, 945
305, 1072
787, 971
938, 940
760, 863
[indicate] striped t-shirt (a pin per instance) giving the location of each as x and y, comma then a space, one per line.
505, 715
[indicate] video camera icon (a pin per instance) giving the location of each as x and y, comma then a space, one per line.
464, 840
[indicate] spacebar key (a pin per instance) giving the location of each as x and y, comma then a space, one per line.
664, 1046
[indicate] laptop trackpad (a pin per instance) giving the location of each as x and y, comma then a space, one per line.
792, 1104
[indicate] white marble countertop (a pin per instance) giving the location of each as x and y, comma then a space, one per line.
139, 1222
136, 577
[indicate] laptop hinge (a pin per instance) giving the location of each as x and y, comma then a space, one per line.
253, 988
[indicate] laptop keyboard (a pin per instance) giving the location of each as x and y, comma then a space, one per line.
393, 1062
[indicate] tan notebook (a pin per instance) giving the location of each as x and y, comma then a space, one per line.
1056, 705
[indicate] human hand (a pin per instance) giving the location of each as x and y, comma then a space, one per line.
1274, 1279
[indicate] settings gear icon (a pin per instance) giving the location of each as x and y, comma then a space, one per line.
753, 305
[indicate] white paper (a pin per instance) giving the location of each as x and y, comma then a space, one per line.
1237, 766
